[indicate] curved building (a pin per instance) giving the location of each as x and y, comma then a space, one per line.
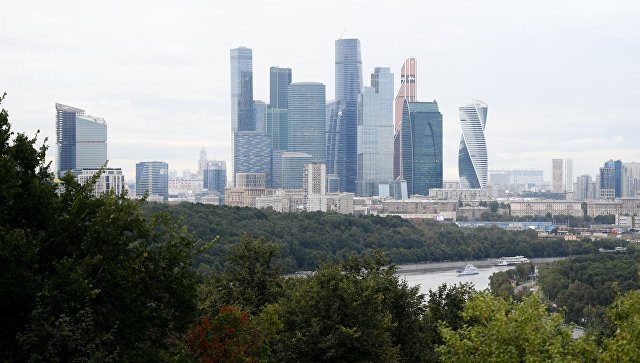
472, 155
407, 91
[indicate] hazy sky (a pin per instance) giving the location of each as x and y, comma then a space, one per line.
561, 78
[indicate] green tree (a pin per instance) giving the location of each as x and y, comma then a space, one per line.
624, 346
498, 330
84, 278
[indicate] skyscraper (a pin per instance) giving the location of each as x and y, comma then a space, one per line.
307, 119
260, 116
293, 169
242, 118
375, 133
472, 154
584, 188
611, 180
421, 146
152, 177
568, 175
557, 169
408, 90
214, 176
251, 153
81, 140
348, 86
279, 81
277, 112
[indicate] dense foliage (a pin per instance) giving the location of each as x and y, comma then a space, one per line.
84, 278
308, 239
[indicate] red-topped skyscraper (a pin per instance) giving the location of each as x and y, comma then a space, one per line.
408, 89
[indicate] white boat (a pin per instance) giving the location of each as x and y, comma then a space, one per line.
468, 270
508, 261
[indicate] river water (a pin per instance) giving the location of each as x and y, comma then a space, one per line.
431, 275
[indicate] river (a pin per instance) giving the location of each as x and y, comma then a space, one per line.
431, 275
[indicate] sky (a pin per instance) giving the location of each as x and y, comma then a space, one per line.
561, 78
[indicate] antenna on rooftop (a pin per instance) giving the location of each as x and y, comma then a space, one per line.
342, 34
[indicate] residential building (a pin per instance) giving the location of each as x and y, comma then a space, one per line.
315, 179
557, 169
375, 133
152, 177
249, 186
251, 153
568, 175
422, 147
81, 140
472, 154
460, 194
543, 207
109, 179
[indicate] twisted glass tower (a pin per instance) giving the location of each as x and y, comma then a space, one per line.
472, 155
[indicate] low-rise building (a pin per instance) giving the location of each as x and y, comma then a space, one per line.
460, 194
524, 208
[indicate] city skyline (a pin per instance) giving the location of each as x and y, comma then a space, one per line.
162, 83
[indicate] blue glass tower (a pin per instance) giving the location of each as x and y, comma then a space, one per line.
242, 117
152, 177
421, 146
307, 119
348, 65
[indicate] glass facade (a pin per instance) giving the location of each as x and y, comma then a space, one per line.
152, 177
307, 119
421, 147
279, 81
278, 127
407, 91
242, 118
251, 153
472, 154
214, 176
375, 133
348, 68
81, 140
260, 115
293, 169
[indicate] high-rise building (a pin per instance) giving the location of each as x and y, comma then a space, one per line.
584, 188
293, 169
277, 122
611, 180
568, 175
472, 154
152, 177
375, 133
202, 162
408, 91
307, 119
260, 115
214, 176
348, 65
279, 81
251, 153
422, 166
81, 140
333, 124
557, 182
315, 179
242, 118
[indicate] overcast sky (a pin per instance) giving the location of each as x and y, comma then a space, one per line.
562, 80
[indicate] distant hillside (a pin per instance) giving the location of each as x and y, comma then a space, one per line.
309, 239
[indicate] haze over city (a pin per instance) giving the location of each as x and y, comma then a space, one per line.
561, 80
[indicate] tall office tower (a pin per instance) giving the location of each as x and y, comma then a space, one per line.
260, 115
315, 179
375, 133
279, 81
633, 175
557, 182
408, 90
472, 154
293, 169
81, 140
568, 175
214, 176
242, 118
611, 180
583, 184
251, 153
348, 87
333, 124
421, 146
202, 161
307, 119
152, 177
277, 113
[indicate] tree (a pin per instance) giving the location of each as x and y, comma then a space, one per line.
84, 278
624, 346
498, 330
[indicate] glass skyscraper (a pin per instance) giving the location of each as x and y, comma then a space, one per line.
152, 177
251, 153
472, 154
421, 146
242, 118
375, 133
81, 140
214, 176
348, 64
307, 119
279, 81
293, 169
408, 90
277, 112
